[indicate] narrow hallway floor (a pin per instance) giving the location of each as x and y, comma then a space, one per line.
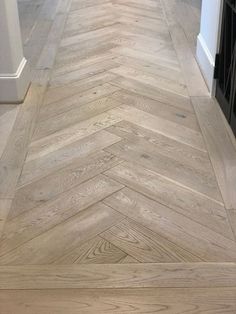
112, 193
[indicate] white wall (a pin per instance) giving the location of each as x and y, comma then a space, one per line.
14, 69
208, 39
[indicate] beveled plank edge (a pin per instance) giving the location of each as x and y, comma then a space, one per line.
228, 144
5, 206
139, 300
155, 275
195, 82
40, 79
92, 155
12, 160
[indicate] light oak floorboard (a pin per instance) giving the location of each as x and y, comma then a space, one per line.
159, 275
145, 245
65, 237
197, 207
28, 225
8, 115
221, 150
95, 251
58, 159
147, 155
120, 301
49, 187
208, 245
118, 176
5, 206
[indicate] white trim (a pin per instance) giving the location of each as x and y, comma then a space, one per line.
17, 73
13, 87
206, 62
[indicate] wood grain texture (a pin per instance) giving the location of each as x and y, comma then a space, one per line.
199, 208
51, 186
232, 218
221, 150
177, 20
208, 245
58, 159
15, 150
145, 245
157, 124
29, 225
147, 155
95, 251
8, 115
113, 190
65, 237
118, 275
109, 301
5, 206
157, 108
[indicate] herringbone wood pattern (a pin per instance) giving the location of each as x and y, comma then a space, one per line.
117, 170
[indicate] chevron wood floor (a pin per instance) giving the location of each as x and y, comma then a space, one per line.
112, 196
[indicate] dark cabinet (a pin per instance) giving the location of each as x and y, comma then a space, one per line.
226, 64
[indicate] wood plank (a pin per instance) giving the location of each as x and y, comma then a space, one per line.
57, 107
156, 25
144, 245
80, 74
221, 150
190, 69
140, 75
84, 26
58, 93
156, 14
147, 4
162, 126
16, 148
28, 225
143, 43
137, 61
79, 64
199, 208
77, 5
173, 275
178, 151
128, 260
49, 187
95, 251
163, 66
73, 116
5, 206
171, 113
39, 168
141, 152
8, 115
65, 237
71, 134
89, 49
68, 41
110, 301
184, 232
153, 92
232, 219
28, 14
189, 17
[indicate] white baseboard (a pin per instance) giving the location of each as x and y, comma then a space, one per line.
206, 62
13, 87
